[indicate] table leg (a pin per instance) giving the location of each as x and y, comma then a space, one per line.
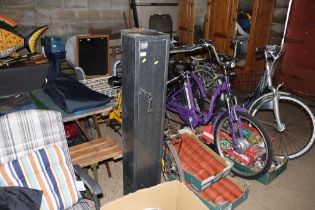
94, 169
108, 170
98, 130
82, 129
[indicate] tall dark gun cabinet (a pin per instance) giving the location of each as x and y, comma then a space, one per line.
145, 61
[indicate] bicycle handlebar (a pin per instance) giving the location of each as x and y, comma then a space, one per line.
185, 49
203, 44
206, 44
268, 48
188, 48
273, 51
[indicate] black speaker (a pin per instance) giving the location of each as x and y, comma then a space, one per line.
144, 60
93, 54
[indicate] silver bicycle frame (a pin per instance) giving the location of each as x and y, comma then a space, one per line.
274, 91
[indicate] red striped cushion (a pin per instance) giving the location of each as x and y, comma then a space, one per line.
45, 170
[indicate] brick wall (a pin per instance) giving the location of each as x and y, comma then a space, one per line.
67, 17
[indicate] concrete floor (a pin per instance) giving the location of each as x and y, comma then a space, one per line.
293, 189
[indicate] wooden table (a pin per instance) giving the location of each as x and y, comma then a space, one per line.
93, 152
43, 101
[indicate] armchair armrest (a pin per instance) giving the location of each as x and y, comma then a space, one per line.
91, 184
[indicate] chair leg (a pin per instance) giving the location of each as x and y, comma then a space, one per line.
97, 202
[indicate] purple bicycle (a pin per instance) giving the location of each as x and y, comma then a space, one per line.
237, 135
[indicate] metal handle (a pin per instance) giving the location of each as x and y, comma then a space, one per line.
150, 99
150, 103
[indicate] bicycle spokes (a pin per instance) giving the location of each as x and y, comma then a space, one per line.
248, 149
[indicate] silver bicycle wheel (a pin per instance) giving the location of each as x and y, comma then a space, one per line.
171, 166
298, 135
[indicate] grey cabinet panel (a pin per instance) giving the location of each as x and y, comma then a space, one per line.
145, 61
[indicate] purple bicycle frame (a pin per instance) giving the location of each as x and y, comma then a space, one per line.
192, 115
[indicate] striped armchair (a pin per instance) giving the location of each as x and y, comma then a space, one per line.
24, 132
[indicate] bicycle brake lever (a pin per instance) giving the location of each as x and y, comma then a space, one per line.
279, 86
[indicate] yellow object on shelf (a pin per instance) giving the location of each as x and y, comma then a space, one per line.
115, 115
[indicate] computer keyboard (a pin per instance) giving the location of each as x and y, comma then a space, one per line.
100, 84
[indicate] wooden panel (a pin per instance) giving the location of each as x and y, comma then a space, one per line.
220, 23
259, 33
94, 151
186, 21
297, 70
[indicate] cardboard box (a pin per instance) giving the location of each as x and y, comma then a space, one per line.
202, 184
167, 196
227, 205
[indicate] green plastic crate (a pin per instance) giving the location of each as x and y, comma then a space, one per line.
227, 205
202, 184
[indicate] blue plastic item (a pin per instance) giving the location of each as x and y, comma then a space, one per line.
53, 45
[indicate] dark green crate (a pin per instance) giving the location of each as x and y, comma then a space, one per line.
227, 205
200, 185
272, 173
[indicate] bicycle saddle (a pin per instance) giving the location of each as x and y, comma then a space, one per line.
182, 66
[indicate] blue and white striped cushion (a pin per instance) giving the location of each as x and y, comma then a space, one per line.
45, 170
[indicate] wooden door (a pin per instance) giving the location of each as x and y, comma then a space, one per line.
249, 74
186, 20
220, 23
297, 70
259, 33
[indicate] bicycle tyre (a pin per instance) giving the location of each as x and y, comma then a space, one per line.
171, 166
291, 108
248, 172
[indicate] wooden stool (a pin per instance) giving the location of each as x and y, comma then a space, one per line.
93, 152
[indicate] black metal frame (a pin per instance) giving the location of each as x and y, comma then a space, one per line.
91, 184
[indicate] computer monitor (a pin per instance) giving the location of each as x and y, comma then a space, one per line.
92, 54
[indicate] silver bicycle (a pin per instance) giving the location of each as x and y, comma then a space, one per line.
289, 121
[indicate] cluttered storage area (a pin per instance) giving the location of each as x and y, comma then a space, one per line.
157, 104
